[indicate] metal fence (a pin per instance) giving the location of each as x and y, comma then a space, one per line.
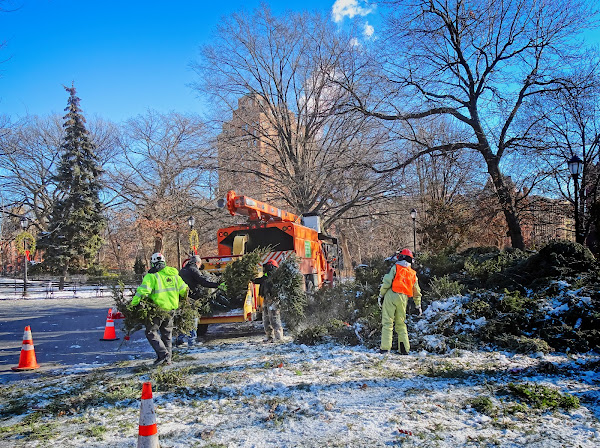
74, 286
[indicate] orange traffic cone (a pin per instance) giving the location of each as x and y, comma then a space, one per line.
27, 360
109, 329
148, 432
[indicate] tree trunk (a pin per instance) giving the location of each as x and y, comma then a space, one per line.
158, 244
178, 251
505, 199
144, 252
346, 270
63, 277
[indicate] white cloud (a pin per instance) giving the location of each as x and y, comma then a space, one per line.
369, 30
350, 8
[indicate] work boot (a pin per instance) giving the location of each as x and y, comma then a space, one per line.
402, 350
383, 352
166, 361
269, 337
158, 361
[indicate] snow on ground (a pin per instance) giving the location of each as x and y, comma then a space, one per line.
236, 391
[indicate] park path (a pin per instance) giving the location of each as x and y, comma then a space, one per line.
66, 332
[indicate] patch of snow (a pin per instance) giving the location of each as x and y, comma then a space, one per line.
560, 309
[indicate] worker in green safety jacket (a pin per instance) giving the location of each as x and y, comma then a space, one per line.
163, 285
397, 287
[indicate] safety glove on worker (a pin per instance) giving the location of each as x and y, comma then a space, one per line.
379, 299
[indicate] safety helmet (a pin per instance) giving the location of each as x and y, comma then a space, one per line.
271, 264
405, 255
157, 258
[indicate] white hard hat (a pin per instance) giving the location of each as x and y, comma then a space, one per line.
157, 257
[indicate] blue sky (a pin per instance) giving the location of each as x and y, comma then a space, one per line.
123, 56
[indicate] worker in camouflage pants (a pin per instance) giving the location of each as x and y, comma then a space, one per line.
271, 312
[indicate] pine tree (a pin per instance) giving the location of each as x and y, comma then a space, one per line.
76, 222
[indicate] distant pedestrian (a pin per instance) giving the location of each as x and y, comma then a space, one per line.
192, 276
163, 285
398, 285
271, 308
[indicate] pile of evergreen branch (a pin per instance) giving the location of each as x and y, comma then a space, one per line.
137, 318
288, 289
238, 274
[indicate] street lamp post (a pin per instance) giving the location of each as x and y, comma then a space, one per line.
576, 168
119, 256
191, 222
413, 215
24, 224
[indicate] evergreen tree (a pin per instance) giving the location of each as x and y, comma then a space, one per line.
76, 222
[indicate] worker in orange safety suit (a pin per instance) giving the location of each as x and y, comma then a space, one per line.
398, 285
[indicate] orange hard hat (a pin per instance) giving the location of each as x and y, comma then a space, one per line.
272, 263
407, 252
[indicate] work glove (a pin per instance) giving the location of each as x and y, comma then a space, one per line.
379, 299
222, 286
420, 310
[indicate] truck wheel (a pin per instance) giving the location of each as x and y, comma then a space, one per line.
202, 329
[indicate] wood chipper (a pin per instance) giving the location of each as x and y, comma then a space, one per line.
284, 234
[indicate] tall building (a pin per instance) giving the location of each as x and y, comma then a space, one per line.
245, 150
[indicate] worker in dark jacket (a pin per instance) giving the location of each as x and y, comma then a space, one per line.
192, 276
271, 313
195, 281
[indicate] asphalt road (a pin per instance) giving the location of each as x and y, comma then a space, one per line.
66, 333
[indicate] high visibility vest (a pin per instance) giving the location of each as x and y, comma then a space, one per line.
163, 287
404, 281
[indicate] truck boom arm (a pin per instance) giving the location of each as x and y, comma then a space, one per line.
256, 210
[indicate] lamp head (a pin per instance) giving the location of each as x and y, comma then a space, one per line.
575, 166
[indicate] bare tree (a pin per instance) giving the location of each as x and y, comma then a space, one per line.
296, 144
571, 127
481, 64
164, 171
30, 155
447, 185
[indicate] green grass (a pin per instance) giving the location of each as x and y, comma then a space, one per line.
542, 397
483, 405
97, 432
445, 370
168, 379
